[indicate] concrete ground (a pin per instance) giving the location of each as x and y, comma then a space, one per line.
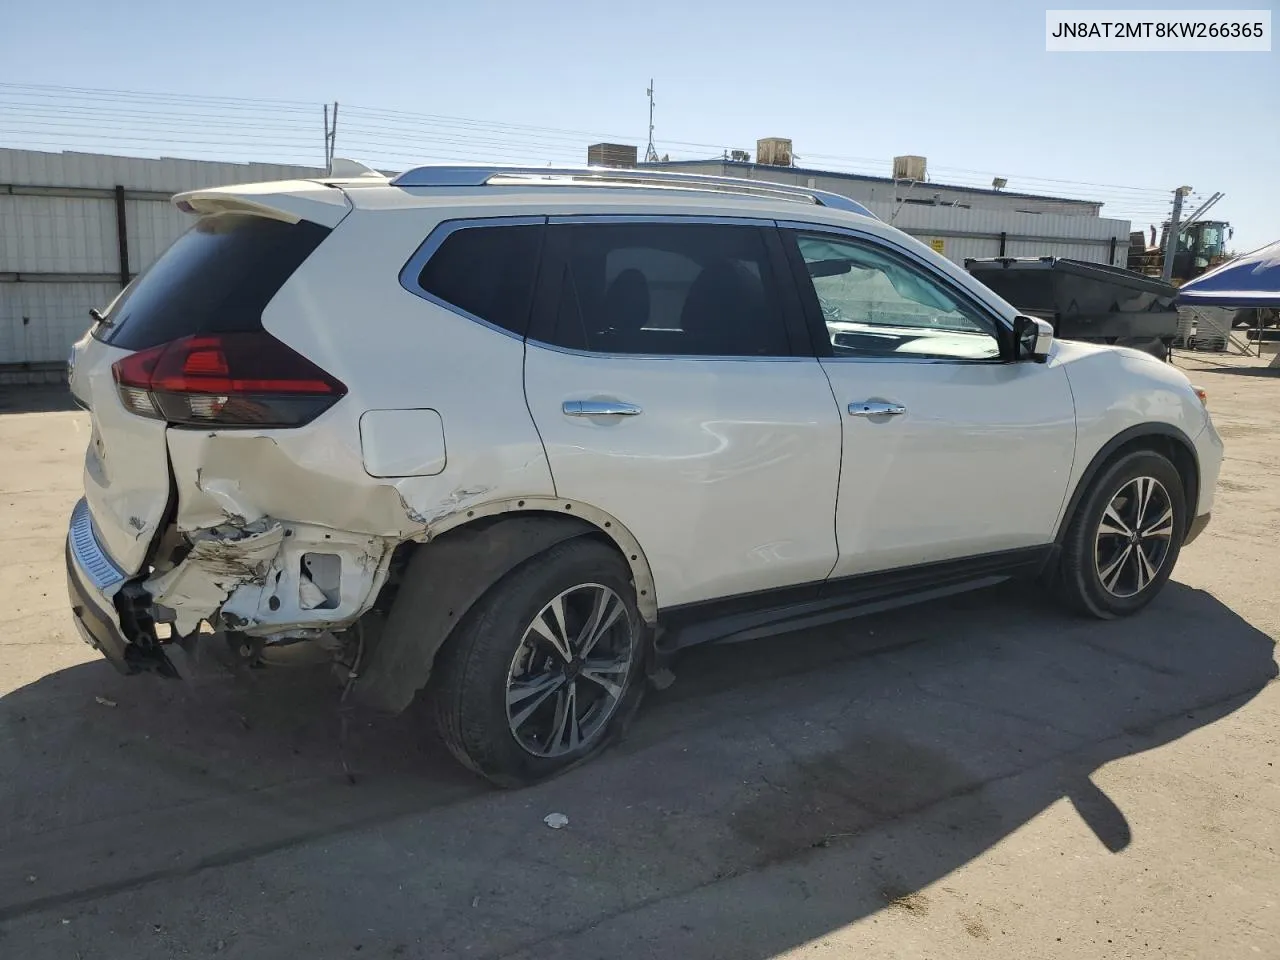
984, 777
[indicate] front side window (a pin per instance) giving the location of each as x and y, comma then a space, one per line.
665, 289
875, 303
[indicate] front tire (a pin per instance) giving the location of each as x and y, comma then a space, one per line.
547, 668
1125, 538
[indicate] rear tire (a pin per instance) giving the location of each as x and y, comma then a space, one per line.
1124, 539
546, 670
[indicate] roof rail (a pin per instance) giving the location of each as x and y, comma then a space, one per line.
450, 176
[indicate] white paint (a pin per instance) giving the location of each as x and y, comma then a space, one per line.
402, 443
287, 200
978, 463
727, 478
126, 468
726, 483
1115, 389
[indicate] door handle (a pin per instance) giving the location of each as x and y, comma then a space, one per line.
600, 408
876, 408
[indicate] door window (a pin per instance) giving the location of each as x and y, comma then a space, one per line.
877, 304
665, 289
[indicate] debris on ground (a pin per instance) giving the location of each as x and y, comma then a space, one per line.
105, 701
556, 820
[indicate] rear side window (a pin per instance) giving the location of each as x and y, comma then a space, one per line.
665, 289
488, 271
217, 277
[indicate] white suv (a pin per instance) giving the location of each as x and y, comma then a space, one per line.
516, 435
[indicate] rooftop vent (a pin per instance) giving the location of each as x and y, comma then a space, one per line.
774, 151
611, 155
909, 168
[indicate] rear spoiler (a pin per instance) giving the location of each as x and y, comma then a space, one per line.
287, 200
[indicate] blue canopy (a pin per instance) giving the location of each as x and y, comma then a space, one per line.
1252, 280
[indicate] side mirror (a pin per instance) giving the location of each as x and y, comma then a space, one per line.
1032, 339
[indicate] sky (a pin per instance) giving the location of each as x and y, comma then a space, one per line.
967, 85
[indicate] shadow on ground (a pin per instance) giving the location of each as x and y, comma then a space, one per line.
36, 398
1268, 371
780, 790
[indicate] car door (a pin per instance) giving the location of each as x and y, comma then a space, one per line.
670, 377
950, 451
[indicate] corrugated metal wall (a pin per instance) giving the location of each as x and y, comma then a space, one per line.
868, 189
59, 249
1043, 227
976, 233
135, 173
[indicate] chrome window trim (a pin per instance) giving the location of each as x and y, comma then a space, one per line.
668, 357
951, 361
444, 229
683, 219
441, 232
89, 555
929, 269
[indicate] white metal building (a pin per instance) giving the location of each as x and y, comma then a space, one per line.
959, 222
74, 227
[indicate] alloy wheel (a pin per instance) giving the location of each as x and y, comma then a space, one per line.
1134, 537
570, 671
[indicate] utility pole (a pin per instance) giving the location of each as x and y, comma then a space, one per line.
330, 135
1171, 238
650, 152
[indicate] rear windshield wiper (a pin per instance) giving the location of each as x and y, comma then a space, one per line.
98, 317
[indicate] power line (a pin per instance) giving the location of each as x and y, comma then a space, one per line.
262, 123
55, 90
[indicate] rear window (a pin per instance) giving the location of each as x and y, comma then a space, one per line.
488, 272
217, 277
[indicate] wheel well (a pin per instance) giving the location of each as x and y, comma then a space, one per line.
1166, 441
435, 584
566, 527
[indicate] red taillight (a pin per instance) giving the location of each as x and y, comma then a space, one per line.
228, 379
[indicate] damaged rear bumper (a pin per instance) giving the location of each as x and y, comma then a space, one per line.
97, 622
271, 579
93, 579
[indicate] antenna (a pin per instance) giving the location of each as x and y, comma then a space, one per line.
650, 152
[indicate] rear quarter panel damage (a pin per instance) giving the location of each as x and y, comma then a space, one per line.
258, 507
